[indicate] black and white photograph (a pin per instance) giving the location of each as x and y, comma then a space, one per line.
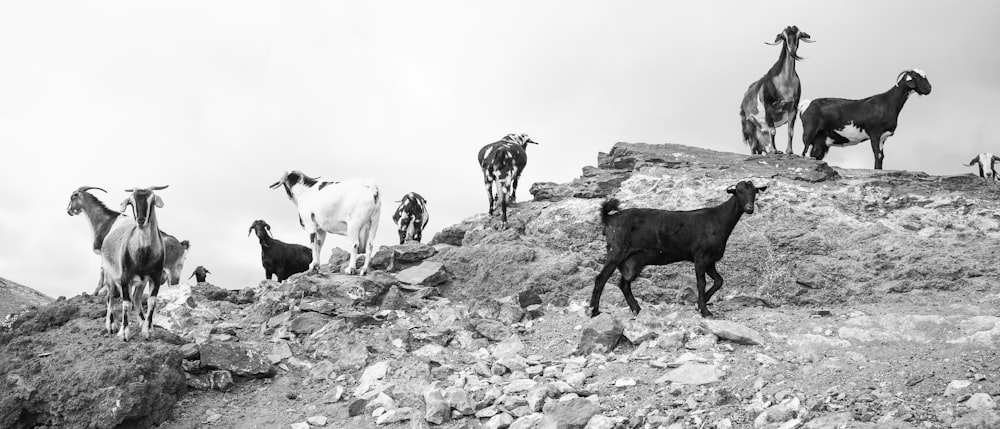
528, 214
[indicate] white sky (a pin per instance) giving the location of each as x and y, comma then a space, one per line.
217, 99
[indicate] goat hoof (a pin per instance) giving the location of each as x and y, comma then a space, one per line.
707, 314
594, 312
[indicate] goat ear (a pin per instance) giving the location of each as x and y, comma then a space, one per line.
157, 201
731, 190
250, 230
192, 275
124, 205
761, 188
207, 271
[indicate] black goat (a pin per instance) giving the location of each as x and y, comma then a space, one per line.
411, 217
840, 122
280, 258
640, 237
502, 163
200, 274
772, 100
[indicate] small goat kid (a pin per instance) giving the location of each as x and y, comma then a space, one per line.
411, 217
351, 208
277, 257
771, 101
502, 163
133, 256
101, 221
640, 237
986, 163
840, 122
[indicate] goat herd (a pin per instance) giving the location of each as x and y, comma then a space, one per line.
136, 252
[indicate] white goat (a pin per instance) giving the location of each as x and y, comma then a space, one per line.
987, 165
133, 255
351, 208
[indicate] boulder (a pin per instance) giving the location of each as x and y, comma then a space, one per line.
437, 409
411, 252
528, 297
693, 373
571, 414
308, 322
734, 332
239, 358
428, 273
600, 335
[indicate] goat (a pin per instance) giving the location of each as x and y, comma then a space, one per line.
411, 217
502, 163
101, 221
351, 208
279, 258
840, 122
986, 163
200, 273
640, 237
770, 102
133, 255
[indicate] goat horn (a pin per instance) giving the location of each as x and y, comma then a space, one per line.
275, 184
250, 230
130, 190
87, 188
772, 44
192, 275
158, 188
807, 40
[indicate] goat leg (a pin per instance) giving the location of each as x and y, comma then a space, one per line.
716, 282
699, 274
599, 281
791, 130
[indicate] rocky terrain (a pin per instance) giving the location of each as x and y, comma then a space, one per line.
15, 297
853, 299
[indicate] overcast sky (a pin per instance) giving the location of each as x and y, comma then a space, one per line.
217, 99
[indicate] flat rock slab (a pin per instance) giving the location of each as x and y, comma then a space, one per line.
428, 273
734, 332
237, 358
694, 373
413, 252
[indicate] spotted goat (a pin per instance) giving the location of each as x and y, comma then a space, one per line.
200, 274
502, 163
987, 165
350, 207
771, 101
828, 122
411, 217
133, 257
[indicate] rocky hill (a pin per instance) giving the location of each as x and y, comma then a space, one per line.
15, 297
853, 298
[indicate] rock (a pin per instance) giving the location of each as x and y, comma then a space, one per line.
459, 400
380, 400
241, 359
734, 332
356, 407
321, 306
981, 419
509, 347
370, 376
693, 373
322, 370
413, 252
518, 386
452, 235
955, 386
279, 352
487, 412
702, 342
492, 329
299, 425
529, 421
671, 340
528, 297
625, 382
437, 409
429, 351
499, 421
317, 420
384, 259
427, 274
600, 335
637, 332
395, 416
334, 395
981, 401
486, 308
394, 300
537, 395
308, 322
572, 414
510, 314
338, 259
246, 296
778, 413
600, 421
189, 351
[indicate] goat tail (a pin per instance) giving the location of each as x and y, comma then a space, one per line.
608, 206
749, 131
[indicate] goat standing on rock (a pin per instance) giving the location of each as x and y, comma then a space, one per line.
411, 217
640, 237
133, 255
840, 122
200, 274
351, 207
279, 258
772, 100
502, 163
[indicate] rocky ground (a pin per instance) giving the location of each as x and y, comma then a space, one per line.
853, 299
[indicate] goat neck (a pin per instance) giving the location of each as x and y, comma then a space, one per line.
100, 216
733, 210
785, 66
896, 97
264, 238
